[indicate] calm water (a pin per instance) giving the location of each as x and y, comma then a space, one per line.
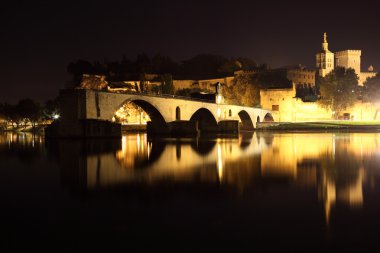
289, 191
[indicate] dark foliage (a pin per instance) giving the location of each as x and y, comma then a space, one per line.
202, 66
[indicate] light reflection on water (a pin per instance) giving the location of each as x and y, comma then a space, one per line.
332, 163
337, 168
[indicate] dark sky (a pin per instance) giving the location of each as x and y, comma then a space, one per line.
40, 38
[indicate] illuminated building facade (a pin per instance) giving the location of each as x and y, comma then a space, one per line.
347, 59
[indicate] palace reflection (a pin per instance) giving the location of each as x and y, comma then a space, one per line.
335, 165
331, 162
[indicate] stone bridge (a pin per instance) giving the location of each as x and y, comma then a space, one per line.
168, 114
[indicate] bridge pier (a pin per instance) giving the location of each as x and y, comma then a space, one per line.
228, 126
183, 128
153, 128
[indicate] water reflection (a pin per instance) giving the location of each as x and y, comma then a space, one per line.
26, 147
338, 168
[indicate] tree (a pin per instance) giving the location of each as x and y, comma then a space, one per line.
247, 63
143, 83
77, 69
163, 64
244, 90
371, 90
167, 86
143, 63
11, 113
51, 109
230, 67
339, 89
203, 66
29, 110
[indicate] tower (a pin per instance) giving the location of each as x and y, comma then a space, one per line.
325, 58
349, 59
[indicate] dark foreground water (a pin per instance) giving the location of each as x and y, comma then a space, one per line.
291, 192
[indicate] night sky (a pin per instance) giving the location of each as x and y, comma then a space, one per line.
40, 38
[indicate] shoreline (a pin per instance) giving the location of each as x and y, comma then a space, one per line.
320, 126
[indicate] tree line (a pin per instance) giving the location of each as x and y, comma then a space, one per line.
28, 111
202, 66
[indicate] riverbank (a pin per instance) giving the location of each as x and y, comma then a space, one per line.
321, 126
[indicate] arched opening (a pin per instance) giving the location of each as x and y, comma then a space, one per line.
268, 118
177, 113
230, 113
131, 114
206, 121
139, 113
246, 122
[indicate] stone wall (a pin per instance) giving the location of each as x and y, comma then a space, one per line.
291, 109
363, 76
301, 76
97, 82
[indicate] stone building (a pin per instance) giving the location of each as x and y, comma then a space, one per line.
290, 107
324, 59
347, 59
302, 76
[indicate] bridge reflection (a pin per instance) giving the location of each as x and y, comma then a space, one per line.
337, 166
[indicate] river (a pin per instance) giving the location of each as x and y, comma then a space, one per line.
261, 190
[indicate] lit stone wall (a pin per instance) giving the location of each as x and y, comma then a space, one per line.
93, 82
301, 76
291, 109
363, 111
281, 98
349, 59
363, 76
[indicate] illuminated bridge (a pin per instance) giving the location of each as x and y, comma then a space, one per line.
89, 113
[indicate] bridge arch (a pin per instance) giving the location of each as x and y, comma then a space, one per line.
268, 117
154, 114
206, 120
246, 121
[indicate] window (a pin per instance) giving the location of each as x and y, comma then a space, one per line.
230, 113
275, 107
177, 113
